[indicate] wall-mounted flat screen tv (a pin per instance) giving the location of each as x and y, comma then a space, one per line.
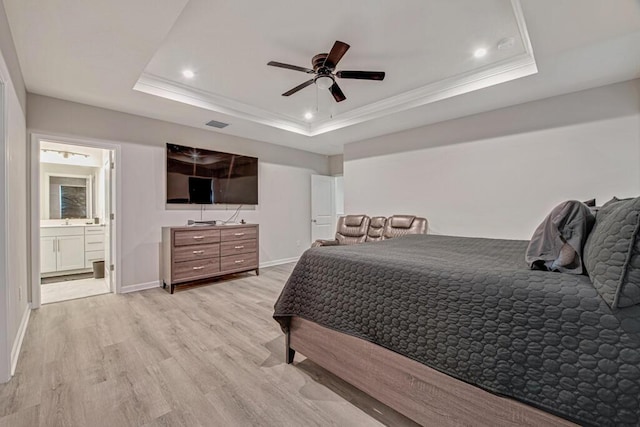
197, 176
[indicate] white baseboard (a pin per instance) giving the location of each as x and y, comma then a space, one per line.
279, 262
17, 344
139, 287
158, 283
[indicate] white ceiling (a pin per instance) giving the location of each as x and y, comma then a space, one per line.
97, 52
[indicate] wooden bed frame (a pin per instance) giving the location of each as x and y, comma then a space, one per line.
421, 393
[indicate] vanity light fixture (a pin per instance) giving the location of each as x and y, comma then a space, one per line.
65, 154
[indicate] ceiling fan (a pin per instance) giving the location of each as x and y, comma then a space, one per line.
324, 65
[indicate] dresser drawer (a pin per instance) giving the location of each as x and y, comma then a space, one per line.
65, 230
243, 233
238, 247
194, 252
95, 229
195, 237
91, 256
94, 238
93, 246
238, 262
94, 242
192, 270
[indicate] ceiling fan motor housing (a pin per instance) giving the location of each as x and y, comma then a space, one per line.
318, 63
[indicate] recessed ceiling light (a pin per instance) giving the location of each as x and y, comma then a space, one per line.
479, 53
308, 115
188, 74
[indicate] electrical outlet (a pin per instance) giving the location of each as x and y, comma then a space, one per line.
297, 242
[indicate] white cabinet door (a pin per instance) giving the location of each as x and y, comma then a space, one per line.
70, 253
47, 254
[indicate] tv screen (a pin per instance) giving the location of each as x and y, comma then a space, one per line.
198, 176
200, 190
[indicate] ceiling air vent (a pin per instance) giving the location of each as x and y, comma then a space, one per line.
216, 124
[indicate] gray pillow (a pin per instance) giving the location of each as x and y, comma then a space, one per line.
557, 243
612, 253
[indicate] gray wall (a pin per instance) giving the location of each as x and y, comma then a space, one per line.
499, 173
283, 212
10, 56
13, 179
336, 165
56, 115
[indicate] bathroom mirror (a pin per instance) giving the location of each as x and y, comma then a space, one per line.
70, 196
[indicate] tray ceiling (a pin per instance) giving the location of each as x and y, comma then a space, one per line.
426, 49
130, 56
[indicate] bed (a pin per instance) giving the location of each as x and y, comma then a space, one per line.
454, 330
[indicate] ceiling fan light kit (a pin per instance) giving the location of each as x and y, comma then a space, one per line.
324, 65
324, 82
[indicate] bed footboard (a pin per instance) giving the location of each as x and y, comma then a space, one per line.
421, 393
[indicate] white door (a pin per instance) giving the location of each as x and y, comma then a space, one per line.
322, 198
48, 254
70, 254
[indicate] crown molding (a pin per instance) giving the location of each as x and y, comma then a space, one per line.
159, 86
521, 65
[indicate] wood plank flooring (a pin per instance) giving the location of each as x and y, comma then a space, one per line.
72, 289
205, 356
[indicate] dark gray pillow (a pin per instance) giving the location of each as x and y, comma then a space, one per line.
612, 253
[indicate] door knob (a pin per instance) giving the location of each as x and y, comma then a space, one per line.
313, 220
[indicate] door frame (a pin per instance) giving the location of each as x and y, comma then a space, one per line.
34, 206
5, 346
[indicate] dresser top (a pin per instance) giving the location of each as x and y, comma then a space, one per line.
210, 227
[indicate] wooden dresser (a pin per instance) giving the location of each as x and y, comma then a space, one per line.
192, 254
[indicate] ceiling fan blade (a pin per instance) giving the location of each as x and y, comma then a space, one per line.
362, 75
297, 88
337, 93
290, 67
337, 52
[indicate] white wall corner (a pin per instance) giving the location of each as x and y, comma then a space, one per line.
17, 343
278, 262
140, 287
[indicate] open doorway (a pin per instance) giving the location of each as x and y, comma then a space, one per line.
72, 220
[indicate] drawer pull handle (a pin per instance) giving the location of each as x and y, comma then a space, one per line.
198, 252
238, 234
198, 237
94, 243
239, 247
198, 268
239, 261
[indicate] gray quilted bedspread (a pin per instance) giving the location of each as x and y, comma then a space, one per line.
472, 309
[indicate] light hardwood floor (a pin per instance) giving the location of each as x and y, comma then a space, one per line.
206, 356
72, 289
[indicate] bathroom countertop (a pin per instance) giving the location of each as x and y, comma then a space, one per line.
70, 225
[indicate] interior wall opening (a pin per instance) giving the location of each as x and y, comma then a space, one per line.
74, 210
